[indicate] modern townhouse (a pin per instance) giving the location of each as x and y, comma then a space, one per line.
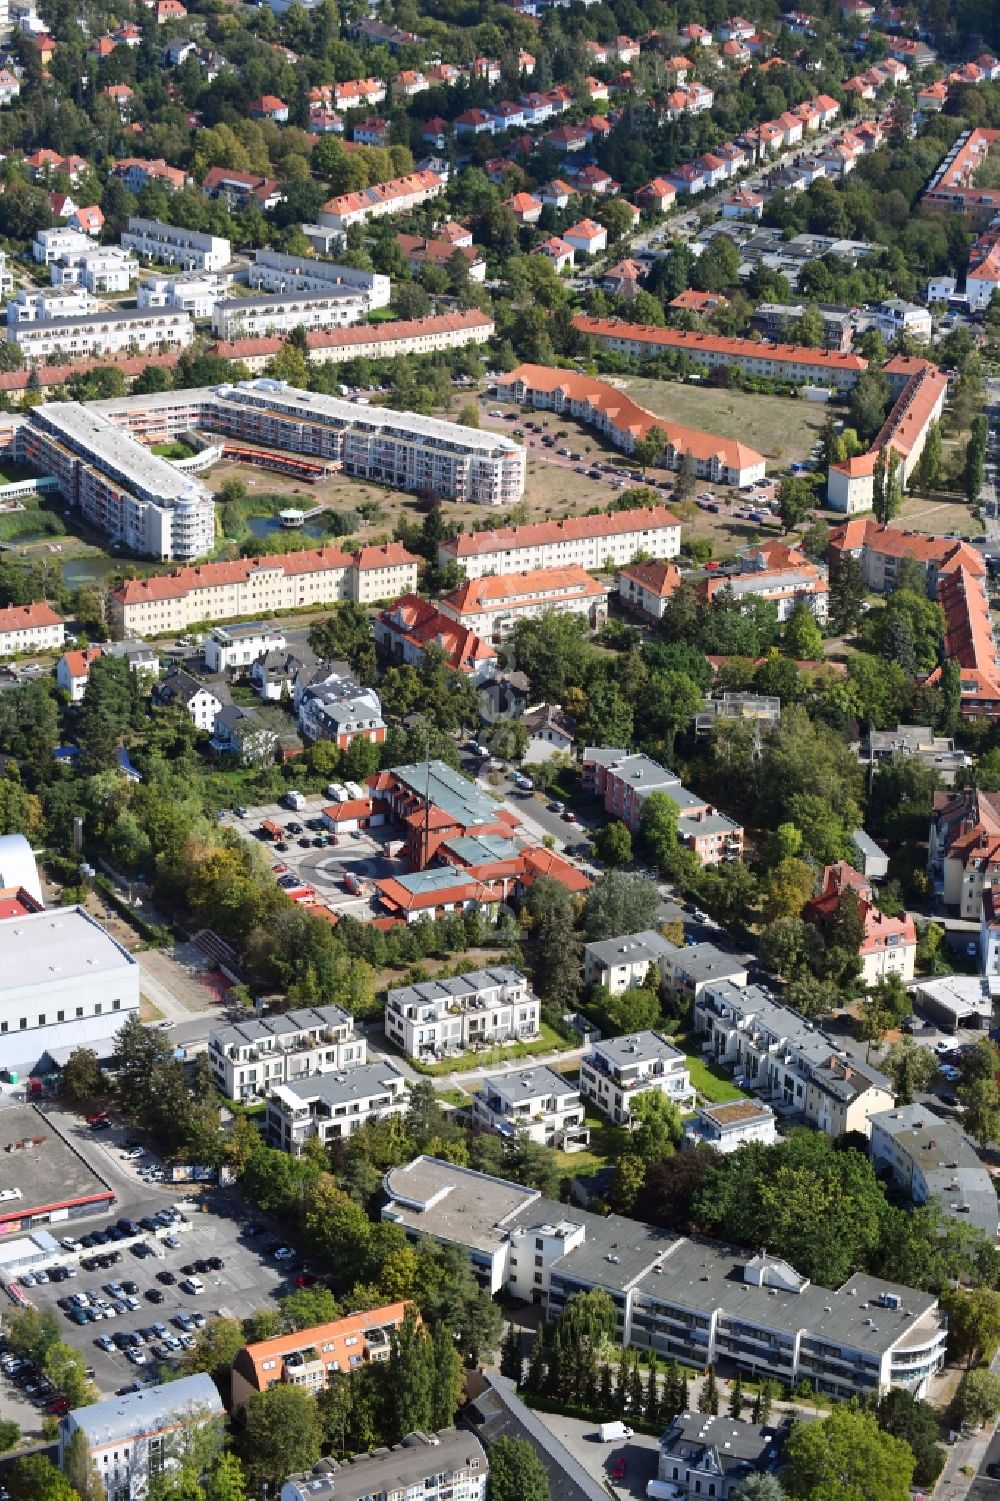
195, 295
130, 1440
439, 1018
40, 305
127, 331
918, 741
446, 1466
165, 244
51, 245
933, 1161
255, 586
625, 781
273, 271
122, 489
625, 423
255, 1056
587, 542
331, 1107
308, 1357
228, 648
101, 269
690, 969
788, 1062
534, 1102
616, 1071
619, 964
695, 1301
237, 318
764, 361
34, 627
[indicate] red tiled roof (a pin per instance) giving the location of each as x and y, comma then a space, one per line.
214, 575
537, 533
360, 333
655, 577
494, 592
27, 617
683, 339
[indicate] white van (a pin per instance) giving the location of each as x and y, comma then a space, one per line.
192, 1285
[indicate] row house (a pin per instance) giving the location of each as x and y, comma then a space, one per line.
624, 782
533, 1103
409, 83
152, 240
585, 541
446, 1466
250, 1059
933, 1161
491, 607
331, 1107
281, 312
359, 93
618, 1070
789, 1062
132, 330
394, 197
34, 627
440, 1018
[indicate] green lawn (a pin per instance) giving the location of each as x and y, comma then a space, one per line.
709, 1079
548, 1042
604, 1145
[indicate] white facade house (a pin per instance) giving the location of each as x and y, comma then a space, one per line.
34, 627
620, 964
182, 689
446, 1466
280, 312
253, 1057
229, 647
616, 1071
728, 1126
338, 708
195, 294
51, 245
38, 305
894, 317
331, 1107
536, 1102
273, 271
102, 269
152, 240
66, 984
587, 541
131, 1439
435, 1018
129, 331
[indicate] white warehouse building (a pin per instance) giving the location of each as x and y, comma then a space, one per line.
152, 240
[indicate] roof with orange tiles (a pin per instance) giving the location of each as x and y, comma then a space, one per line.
384, 192
624, 415
907, 419
968, 630
78, 662
395, 894
420, 622
944, 553
655, 577
585, 229
692, 301
217, 575
538, 533
537, 584
658, 187
362, 333
439, 252
328, 1340
538, 862
878, 928
28, 617
16, 902
683, 339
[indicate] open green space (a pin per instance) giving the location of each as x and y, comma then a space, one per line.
711, 1080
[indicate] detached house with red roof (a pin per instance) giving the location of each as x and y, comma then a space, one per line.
408, 626
73, 671
558, 251
587, 236
888, 944
269, 107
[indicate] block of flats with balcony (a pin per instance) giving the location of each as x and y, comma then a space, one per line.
252, 1058
436, 1018
308, 1357
619, 1069
537, 1102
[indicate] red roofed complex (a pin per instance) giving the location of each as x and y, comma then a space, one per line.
888, 945
625, 423
393, 197
307, 1357
252, 586
919, 389
369, 340
408, 626
784, 362
34, 627
588, 541
493, 605
954, 186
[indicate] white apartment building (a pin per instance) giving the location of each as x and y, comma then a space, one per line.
195, 294
121, 488
233, 646
6, 276
491, 607
273, 271
253, 1057
446, 1466
152, 240
279, 313
696, 1301
51, 245
402, 449
34, 627
330, 1107
587, 541
438, 1018
787, 1061
622, 963
536, 1102
101, 269
132, 1439
66, 984
39, 305
129, 331
619, 1069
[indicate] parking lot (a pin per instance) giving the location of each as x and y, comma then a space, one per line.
629, 1464
248, 1278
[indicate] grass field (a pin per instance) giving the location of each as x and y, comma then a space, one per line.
938, 516
780, 427
709, 1079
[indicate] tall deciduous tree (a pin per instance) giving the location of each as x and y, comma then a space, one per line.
847, 1458
516, 1472
282, 1433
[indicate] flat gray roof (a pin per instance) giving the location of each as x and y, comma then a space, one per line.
149, 1410
283, 299
46, 948
615, 1253
354, 1084
93, 437
711, 823
703, 961
50, 1174
527, 1084
637, 1047
865, 844
947, 1161
454, 1203
632, 949
404, 1467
